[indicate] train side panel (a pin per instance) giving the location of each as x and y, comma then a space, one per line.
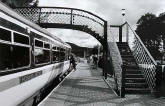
25, 84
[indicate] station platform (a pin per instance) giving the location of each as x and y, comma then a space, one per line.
86, 87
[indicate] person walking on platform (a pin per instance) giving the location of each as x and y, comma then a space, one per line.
73, 62
95, 59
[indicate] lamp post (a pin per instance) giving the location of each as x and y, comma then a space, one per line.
125, 22
123, 14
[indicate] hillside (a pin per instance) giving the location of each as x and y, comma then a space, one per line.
78, 50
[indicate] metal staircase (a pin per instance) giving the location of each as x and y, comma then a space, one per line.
134, 69
133, 79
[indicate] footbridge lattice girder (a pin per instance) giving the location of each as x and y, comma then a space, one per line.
68, 18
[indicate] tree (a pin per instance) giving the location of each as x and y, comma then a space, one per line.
148, 31
161, 25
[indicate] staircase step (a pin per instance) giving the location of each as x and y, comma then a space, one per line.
129, 62
133, 76
136, 85
132, 71
123, 50
133, 80
122, 43
137, 91
126, 47
125, 53
127, 56
133, 66
129, 59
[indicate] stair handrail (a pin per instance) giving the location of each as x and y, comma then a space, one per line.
143, 58
153, 60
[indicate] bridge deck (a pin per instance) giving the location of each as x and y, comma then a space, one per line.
85, 87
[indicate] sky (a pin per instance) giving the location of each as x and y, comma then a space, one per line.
109, 10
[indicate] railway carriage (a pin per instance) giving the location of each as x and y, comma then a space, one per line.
30, 57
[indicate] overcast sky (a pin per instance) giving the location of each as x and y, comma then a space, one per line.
110, 10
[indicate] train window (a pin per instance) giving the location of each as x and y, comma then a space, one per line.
62, 56
41, 56
5, 35
55, 55
12, 57
20, 56
21, 39
61, 49
5, 57
66, 55
54, 48
38, 43
46, 45
47, 55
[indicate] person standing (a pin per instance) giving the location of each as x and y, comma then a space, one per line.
73, 62
95, 59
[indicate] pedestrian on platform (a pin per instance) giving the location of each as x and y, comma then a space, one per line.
95, 59
73, 62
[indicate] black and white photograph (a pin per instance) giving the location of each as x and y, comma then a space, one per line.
82, 52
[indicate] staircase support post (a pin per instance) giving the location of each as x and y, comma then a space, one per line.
122, 91
39, 16
105, 51
71, 17
158, 81
120, 33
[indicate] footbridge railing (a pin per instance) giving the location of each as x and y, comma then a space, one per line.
62, 17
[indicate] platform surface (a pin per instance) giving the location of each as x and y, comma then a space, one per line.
86, 87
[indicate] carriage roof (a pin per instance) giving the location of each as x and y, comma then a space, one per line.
5, 9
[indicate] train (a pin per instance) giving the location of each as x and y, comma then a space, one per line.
30, 58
